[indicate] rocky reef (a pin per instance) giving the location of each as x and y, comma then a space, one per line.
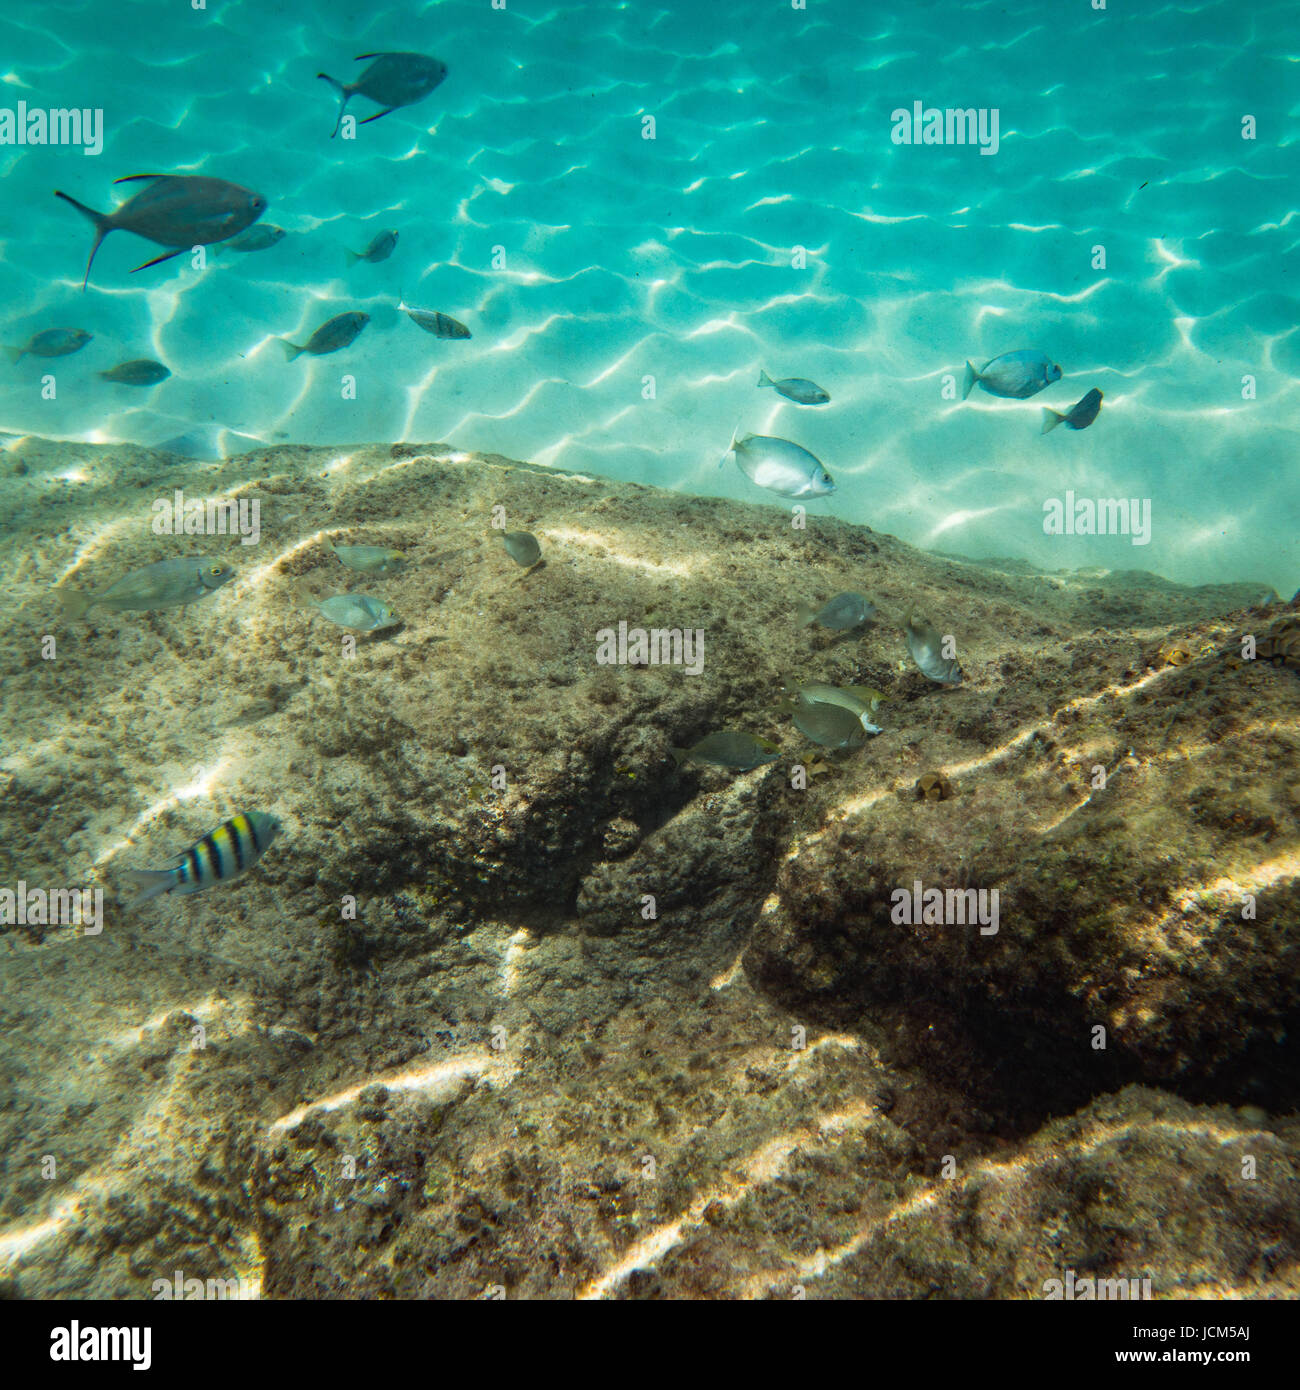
518, 1007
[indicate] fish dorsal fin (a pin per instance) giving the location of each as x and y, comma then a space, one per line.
383, 53
132, 178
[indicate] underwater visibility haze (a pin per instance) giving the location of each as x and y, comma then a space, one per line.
649, 651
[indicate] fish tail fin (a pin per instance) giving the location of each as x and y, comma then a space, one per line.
291, 350
76, 603
972, 376
1051, 418
804, 614
735, 434
304, 595
16, 354
344, 94
679, 755
353, 256
764, 379
103, 225
148, 883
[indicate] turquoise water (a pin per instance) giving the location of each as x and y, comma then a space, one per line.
620, 259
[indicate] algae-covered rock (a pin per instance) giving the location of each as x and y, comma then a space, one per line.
516, 1004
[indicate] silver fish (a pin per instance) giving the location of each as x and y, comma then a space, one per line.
440, 325
380, 248
370, 559
796, 388
164, 584
1017, 375
780, 466
392, 80
925, 644
522, 547
332, 335
860, 700
144, 371
175, 210
224, 853
51, 342
357, 611
259, 238
740, 752
841, 613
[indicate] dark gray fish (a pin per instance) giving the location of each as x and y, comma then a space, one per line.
440, 325
332, 335
832, 726
797, 388
51, 342
380, 248
840, 614
142, 372
1018, 375
730, 749
392, 80
1079, 416
178, 210
164, 584
522, 547
925, 644
259, 238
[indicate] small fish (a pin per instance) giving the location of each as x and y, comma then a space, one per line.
1015, 374
840, 614
332, 335
440, 325
1079, 416
830, 725
925, 644
144, 371
522, 547
737, 751
380, 248
780, 466
164, 584
392, 80
357, 611
259, 238
796, 388
177, 210
224, 854
51, 342
860, 700
370, 559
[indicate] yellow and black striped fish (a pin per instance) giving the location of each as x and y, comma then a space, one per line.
223, 854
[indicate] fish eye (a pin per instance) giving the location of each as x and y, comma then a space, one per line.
217, 569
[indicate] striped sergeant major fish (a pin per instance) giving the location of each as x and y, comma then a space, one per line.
223, 854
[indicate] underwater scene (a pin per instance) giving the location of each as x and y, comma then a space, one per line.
650, 651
